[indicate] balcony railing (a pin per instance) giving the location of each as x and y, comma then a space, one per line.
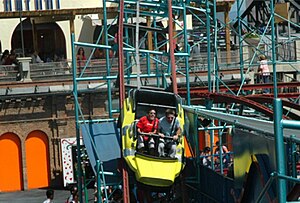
97, 67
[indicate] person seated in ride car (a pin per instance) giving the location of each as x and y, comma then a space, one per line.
147, 125
169, 126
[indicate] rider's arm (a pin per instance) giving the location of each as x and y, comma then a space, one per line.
160, 133
140, 125
177, 134
155, 127
225, 150
159, 129
178, 130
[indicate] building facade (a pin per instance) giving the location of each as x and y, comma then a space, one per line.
32, 125
31, 131
49, 32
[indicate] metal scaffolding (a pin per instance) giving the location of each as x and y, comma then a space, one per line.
155, 45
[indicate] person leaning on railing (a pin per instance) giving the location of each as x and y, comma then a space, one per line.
80, 57
263, 69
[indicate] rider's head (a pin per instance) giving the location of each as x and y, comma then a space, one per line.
170, 115
151, 114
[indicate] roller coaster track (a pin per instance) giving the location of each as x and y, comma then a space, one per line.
285, 103
227, 98
254, 101
264, 99
247, 87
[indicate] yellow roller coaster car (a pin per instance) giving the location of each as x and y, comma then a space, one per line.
151, 170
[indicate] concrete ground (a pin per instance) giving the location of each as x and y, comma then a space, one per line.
37, 196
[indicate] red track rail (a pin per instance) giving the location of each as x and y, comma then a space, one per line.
253, 101
126, 192
245, 87
269, 100
222, 98
263, 99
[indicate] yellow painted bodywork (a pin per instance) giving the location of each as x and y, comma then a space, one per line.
150, 170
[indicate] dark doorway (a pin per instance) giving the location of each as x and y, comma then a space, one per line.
50, 40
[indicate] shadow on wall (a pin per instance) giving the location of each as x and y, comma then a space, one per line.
86, 33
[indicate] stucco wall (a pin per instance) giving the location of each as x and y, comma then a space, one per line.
84, 29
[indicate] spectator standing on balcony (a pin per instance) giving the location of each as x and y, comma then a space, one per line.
36, 58
80, 57
264, 71
4, 56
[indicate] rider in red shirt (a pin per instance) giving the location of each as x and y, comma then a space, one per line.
147, 125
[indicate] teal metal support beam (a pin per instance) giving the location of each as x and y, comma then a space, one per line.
290, 124
273, 48
148, 63
186, 49
99, 197
271, 179
155, 56
125, 49
216, 127
220, 151
216, 65
75, 94
294, 157
296, 180
152, 75
195, 116
266, 187
103, 180
128, 68
208, 45
101, 46
108, 67
280, 150
240, 38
